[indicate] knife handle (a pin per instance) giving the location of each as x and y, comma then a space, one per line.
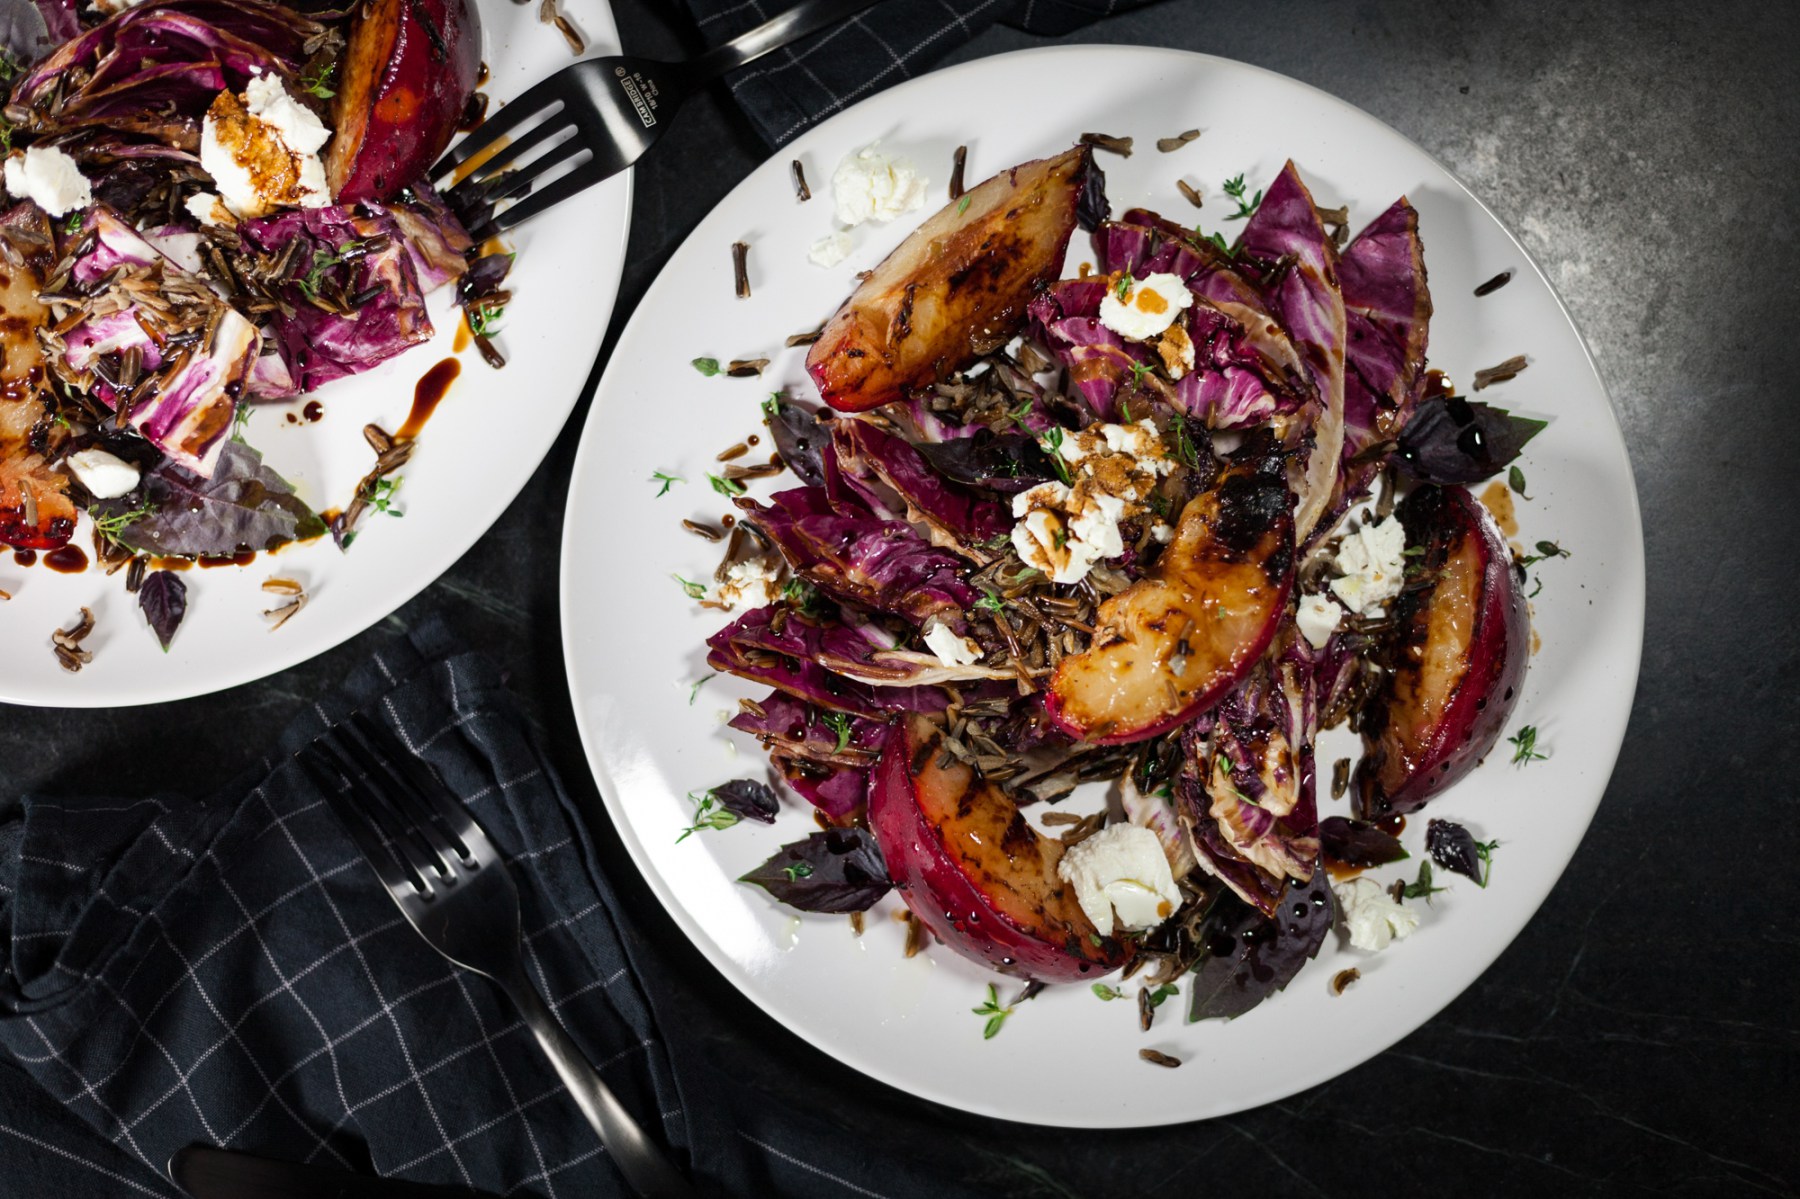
638, 1157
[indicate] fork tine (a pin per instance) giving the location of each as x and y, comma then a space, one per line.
512, 152
431, 801
580, 179
532, 102
422, 862
424, 845
517, 182
327, 771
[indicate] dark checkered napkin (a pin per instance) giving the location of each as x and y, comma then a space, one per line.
799, 86
230, 972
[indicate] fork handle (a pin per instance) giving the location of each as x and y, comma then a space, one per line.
647, 1171
808, 17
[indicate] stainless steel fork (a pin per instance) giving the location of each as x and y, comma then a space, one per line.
449, 882
607, 112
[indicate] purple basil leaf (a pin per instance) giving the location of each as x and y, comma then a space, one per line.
800, 438
1358, 843
836, 870
1454, 440
1004, 462
1453, 847
1091, 205
1250, 956
748, 798
244, 506
163, 597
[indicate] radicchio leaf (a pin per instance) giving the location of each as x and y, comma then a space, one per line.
1261, 955
1453, 847
1358, 843
163, 597
1003, 462
1453, 440
836, 870
243, 506
748, 798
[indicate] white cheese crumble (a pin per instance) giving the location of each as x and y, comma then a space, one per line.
829, 250
263, 150
1371, 918
1318, 619
1121, 878
951, 649
754, 582
106, 476
871, 186
49, 178
1373, 560
208, 209
1149, 306
1064, 536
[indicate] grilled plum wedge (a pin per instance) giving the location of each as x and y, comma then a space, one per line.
973, 871
1175, 642
1458, 658
408, 71
954, 290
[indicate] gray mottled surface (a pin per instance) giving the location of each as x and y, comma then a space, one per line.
1640, 1036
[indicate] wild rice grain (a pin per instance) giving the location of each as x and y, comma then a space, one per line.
1168, 145
745, 368
734, 451
709, 532
740, 268
805, 339
956, 172
1495, 284
1158, 1058
1343, 978
1501, 373
1190, 191
1105, 141
800, 188
1340, 778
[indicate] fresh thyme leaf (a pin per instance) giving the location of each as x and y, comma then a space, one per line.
991, 603
1538, 585
707, 366
839, 723
1185, 448
772, 406
708, 815
317, 81
1421, 888
694, 590
1059, 537
1138, 371
1524, 743
1166, 991
1017, 415
72, 226
796, 871
1106, 992
1095, 941
111, 526
727, 487
1123, 287
1052, 442
996, 1015
484, 319
666, 480
1235, 189
1485, 851
1545, 551
240, 422
380, 495
694, 691
1515, 479
962, 205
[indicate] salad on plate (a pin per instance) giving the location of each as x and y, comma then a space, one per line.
1156, 523
209, 205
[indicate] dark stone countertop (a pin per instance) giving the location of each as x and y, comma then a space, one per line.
1640, 1034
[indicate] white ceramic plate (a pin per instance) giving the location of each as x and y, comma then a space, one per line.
483, 443
634, 643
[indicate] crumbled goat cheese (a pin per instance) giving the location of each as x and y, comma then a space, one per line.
871, 186
263, 150
106, 476
1373, 562
1370, 916
1317, 619
951, 649
1121, 878
1149, 306
829, 250
754, 582
49, 178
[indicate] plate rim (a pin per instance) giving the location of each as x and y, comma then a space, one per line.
1365, 1050
234, 671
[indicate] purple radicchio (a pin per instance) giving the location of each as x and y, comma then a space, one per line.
153, 70
1286, 252
344, 256
785, 656
1065, 320
891, 476
850, 554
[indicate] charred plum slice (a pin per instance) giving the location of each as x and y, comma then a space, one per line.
1461, 641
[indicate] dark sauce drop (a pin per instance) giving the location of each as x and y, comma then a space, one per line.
68, 560
24, 557
241, 558
753, 439
728, 520
312, 412
474, 112
427, 396
1391, 825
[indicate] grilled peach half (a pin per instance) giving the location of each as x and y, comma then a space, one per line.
954, 290
407, 73
973, 871
1174, 643
1458, 658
